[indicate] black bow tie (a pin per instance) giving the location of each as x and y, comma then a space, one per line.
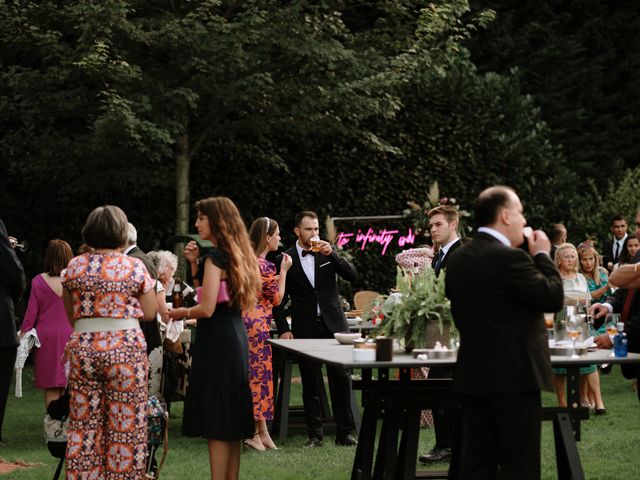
307, 252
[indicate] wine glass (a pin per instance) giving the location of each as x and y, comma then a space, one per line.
574, 328
611, 324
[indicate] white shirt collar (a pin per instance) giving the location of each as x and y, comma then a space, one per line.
446, 248
128, 249
495, 234
621, 241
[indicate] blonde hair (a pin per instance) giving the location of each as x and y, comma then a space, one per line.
567, 246
231, 236
595, 273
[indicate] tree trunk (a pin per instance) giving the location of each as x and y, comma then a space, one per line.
183, 165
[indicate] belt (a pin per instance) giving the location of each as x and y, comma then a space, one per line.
101, 324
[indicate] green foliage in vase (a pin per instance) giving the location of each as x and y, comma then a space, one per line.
423, 302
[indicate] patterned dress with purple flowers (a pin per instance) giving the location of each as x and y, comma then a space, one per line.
257, 322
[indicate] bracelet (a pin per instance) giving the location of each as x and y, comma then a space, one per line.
189, 312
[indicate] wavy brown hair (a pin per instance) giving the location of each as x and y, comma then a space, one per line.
258, 231
231, 236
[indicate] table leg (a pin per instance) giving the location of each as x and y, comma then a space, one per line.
573, 397
387, 454
408, 451
366, 441
567, 457
281, 416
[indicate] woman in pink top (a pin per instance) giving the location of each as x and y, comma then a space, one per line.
105, 294
46, 314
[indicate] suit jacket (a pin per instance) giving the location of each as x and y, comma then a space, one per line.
136, 252
498, 296
12, 285
443, 264
607, 253
151, 329
304, 297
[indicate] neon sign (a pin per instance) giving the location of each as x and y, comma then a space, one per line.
382, 237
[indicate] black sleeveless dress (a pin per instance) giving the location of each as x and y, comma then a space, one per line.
218, 402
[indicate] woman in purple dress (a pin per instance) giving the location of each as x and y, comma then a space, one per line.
47, 315
265, 237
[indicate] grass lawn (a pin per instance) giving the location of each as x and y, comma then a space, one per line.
608, 447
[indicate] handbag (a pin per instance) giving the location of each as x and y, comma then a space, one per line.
223, 291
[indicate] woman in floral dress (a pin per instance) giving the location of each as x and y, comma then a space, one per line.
265, 237
105, 294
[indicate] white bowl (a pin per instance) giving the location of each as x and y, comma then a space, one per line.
346, 338
353, 321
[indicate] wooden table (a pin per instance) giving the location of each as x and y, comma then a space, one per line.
400, 401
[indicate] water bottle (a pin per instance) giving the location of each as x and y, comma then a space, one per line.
620, 348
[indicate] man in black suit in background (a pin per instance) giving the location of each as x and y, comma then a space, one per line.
443, 226
12, 285
611, 249
316, 313
498, 294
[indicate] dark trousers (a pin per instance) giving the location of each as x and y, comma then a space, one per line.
632, 370
7, 362
442, 416
339, 390
500, 437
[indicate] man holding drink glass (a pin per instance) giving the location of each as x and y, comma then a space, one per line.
316, 312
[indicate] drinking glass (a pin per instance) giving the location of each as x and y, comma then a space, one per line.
574, 328
315, 244
611, 323
548, 322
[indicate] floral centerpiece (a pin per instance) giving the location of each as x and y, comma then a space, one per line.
418, 313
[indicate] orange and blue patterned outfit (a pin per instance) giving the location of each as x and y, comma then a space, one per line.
258, 322
107, 433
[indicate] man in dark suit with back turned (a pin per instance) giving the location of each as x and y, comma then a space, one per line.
443, 226
12, 285
316, 313
498, 295
151, 330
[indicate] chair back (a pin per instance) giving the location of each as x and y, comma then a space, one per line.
363, 299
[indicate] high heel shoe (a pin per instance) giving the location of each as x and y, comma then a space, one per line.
266, 440
255, 443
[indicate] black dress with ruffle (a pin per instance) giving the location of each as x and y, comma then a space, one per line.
218, 403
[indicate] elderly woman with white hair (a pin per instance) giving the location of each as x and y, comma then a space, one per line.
165, 264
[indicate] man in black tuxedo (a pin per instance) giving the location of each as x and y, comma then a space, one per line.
498, 294
12, 285
151, 330
443, 226
611, 249
316, 313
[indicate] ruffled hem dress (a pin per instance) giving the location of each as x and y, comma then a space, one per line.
218, 402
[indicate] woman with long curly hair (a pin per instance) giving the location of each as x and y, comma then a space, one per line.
218, 403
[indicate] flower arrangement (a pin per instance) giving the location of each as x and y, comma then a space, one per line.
419, 312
